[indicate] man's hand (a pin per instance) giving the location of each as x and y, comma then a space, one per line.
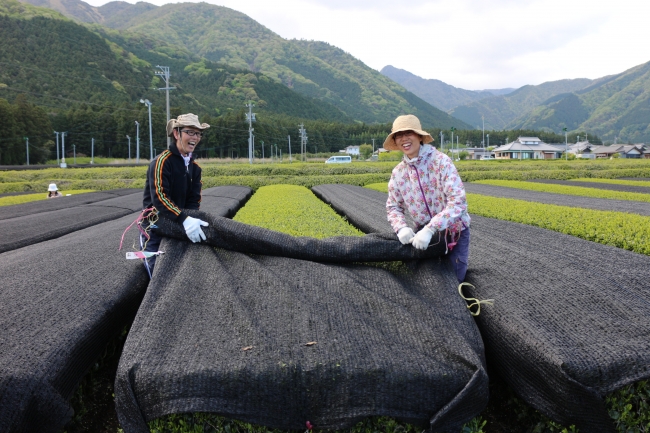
422, 239
405, 235
193, 229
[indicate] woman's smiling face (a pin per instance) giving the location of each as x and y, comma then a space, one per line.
408, 142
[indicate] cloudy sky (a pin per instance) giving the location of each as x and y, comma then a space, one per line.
472, 44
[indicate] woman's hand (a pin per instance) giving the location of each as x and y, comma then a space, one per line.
405, 235
422, 239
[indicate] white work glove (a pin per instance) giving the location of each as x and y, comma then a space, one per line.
422, 239
405, 235
193, 228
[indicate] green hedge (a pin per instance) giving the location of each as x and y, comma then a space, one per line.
294, 210
569, 190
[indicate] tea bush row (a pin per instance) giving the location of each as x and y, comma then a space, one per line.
645, 183
294, 210
628, 231
569, 190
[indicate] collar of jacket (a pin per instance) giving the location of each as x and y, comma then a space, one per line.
425, 153
174, 150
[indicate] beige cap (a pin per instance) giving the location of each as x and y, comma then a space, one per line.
407, 122
188, 119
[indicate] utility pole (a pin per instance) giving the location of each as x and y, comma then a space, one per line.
566, 145
74, 154
488, 142
250, 116
129, 138
57, 147
137, 142
452, 143
164, 73
148, 104
263, 152
483, 143
92, 150
27, 147
289, 137
373, 146
63, 164
303, 142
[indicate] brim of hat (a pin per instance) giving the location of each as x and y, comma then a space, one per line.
173, 124
390, 144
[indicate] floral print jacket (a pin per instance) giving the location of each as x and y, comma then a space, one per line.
431, 176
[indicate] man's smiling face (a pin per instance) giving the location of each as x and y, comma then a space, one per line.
187, 138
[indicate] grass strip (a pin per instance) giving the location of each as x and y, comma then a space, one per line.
569, 190
622, 230
26, 198
293, 210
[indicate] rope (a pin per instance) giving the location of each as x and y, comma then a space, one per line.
473, 301
151, 216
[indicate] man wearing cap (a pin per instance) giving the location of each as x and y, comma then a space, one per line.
426, 184
174, 183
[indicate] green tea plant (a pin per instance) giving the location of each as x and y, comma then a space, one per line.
569, 190
293, 210
645, 183
622, 230
26, 198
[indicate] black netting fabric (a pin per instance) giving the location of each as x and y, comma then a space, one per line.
53, 204
272, 338
636, 207
597, 185
60, 303
224, 201
45, 225
569, 323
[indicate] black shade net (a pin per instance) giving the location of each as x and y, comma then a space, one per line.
52, 204
570, 319
45, 225
271, 338
597, 185
61, 301
606, 204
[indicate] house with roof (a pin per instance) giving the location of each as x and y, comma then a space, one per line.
350, 150
623, 150
527, 148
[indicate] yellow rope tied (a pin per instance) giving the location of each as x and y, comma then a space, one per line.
473, 301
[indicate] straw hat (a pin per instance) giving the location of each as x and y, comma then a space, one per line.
52, 187
188, 119
406, 123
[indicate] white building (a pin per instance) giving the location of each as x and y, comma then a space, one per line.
527, 148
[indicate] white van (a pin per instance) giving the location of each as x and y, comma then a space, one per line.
338, 159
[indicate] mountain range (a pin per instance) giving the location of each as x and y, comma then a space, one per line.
616, 107
222, 36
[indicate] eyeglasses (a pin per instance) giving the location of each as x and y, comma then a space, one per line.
402, 134
192, 133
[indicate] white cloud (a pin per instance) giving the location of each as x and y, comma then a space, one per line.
473, 44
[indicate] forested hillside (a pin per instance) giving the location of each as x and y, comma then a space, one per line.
314, 69
500, 111
435, 92
616, 108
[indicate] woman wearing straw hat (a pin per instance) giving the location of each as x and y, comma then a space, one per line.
426, 184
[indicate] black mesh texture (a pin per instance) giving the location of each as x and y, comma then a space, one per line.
569, 324
597, 185
60, 303
636, 207
49, 205
45, 225
393, 340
